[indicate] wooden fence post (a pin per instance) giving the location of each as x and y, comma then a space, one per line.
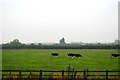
84, 75
20, 76
84, 72
62, 73
106, 74
40, 76
75, 74
30, 76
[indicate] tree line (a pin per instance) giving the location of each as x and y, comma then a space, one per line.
15, 44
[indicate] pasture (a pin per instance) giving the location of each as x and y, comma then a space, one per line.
36, 59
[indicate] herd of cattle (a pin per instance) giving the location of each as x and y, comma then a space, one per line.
78, 55
70, 54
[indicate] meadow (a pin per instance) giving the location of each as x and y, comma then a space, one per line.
36, 59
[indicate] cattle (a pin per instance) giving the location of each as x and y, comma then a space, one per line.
115, 55
78, 55
71, 54
74, 55
54, 54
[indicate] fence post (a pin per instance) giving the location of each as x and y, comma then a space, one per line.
106, 74
84, 75
20, 74
75, 74
40, 76
62, 73
30, 76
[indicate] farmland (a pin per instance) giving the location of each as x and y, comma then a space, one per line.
36, 59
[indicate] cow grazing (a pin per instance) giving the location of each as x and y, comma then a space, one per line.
78, 55
54, 54
74, 55
71, 54
115, 55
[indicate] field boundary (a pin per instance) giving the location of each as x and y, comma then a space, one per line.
40, 74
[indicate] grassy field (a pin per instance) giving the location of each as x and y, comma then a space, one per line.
37, 59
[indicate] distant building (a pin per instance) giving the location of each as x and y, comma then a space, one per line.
62, 41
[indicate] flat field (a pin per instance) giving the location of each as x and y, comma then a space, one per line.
36, 59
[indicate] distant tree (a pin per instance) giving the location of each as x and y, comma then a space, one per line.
39, 44
15, 42
32, 44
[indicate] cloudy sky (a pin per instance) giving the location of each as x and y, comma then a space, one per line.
50, 20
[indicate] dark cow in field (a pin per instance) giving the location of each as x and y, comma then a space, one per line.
54, 54
74, 55
78, 55
71, 54
115, 55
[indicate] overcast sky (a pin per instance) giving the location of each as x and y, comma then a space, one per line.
50, 20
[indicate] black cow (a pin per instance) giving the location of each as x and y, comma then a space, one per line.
54, 54
74, 55
115, 55
71, 54
78, 55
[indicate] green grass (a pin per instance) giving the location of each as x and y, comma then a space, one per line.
37, 59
